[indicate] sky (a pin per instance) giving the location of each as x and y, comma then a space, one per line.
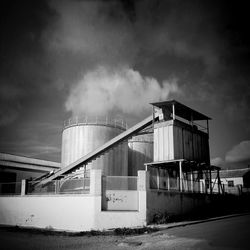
61, 59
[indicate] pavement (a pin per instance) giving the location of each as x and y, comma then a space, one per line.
229, 232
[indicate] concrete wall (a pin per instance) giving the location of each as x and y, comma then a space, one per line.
236, 180
69, 212
120, 200
173, 203
74, 213
84, 212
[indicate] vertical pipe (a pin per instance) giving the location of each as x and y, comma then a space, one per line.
180, 176
168, 182
158, 178
192, 181
210, 181
153, 124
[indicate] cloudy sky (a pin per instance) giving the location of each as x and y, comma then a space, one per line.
73, 58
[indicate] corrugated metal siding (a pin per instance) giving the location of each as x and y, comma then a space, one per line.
177, 140
163, 143
79, 140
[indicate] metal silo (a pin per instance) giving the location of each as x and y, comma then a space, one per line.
140, 152
81, 136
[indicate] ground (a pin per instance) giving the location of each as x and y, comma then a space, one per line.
228, 233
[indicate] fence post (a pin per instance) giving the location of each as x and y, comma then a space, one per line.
143, 180
23, 187
143, 187
95, 182
57, 186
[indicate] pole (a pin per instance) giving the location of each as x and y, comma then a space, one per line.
180, 176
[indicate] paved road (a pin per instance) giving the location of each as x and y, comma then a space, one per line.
225, 234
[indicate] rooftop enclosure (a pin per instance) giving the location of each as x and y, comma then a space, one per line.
179, 134
83, 135
181, 146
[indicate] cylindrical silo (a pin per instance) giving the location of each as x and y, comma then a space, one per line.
80, 137
140, 152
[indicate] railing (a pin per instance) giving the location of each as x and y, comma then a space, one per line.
90, 120
119, 182
10, 188
173, 184
227, 189
71, 186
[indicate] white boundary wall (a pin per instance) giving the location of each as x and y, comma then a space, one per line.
74, 213
84, 212
69, 212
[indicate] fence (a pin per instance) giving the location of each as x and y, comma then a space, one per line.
10, 188
119, 193
173, 184
227, 189
72, 186
90, 120
119, 182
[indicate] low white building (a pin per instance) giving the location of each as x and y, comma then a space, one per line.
234, 181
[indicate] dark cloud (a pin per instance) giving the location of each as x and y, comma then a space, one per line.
48, 48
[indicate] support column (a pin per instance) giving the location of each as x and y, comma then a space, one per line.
192, 181
219, 183
168, 182
158, 178
180, 176
210, 181
23, 187
143, 186
143, 180
57, 186
96, 182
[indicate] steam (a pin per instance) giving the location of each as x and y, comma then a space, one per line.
104, 36
106, 89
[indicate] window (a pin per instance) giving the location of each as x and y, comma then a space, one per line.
230, 183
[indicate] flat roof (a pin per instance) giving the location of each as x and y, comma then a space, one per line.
182, 110
186, 164
27, 163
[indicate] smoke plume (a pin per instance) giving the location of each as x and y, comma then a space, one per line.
106, 89
109, 40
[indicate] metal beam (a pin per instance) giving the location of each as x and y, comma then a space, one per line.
25, 166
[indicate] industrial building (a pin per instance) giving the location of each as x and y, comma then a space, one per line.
114, 176
14, 169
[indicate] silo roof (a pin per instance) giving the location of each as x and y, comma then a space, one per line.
181, 110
